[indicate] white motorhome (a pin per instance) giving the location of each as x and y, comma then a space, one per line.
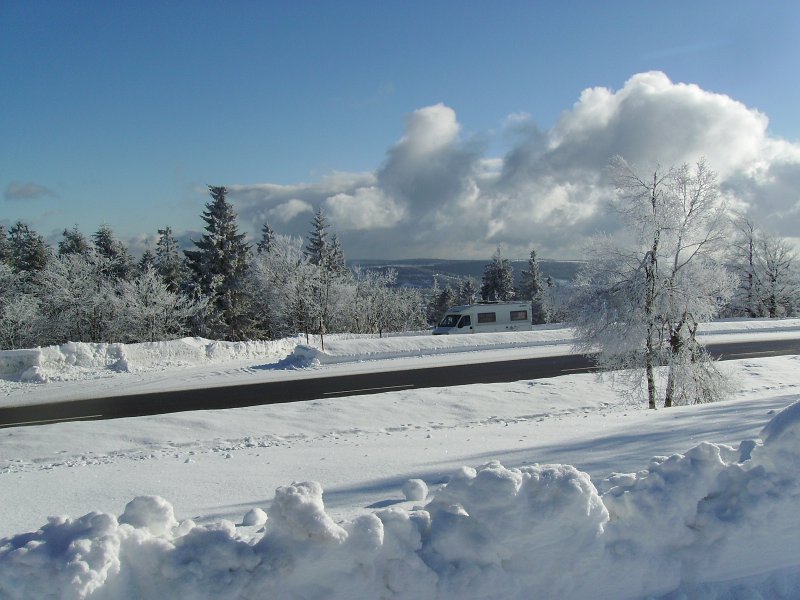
485, 317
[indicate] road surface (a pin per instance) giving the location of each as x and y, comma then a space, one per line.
314, 388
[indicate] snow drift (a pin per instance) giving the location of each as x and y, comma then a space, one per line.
80, 361
77, 360
715, 522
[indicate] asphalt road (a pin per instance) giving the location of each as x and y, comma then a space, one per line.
314, 388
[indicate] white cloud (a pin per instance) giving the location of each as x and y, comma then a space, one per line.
436, 194
290, 209
366, 208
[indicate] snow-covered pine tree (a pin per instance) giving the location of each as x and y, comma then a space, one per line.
335, 260
29, 252
146, 262
5, 246
73, 242
267, 237
170, 261
120, 260
445, 299
220, 265
531, 288
467, 291
498, 278
317, 248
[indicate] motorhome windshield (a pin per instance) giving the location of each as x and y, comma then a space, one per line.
449, 320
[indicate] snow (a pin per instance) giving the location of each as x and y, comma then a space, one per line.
553, 488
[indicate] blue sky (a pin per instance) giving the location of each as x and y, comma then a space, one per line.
121, 113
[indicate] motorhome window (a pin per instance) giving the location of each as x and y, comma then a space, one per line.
449, 320
487, 317
464, 322
519, 315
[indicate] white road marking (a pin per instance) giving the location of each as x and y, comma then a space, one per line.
749, 354
375, 389
19, 423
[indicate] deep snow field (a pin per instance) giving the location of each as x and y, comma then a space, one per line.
554, 488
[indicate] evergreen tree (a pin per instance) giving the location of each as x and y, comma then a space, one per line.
29, 252
531, 288
220, 265
335, 258
442, 302
498, 279
170, 263
107, 246
467, 291
147, 262
317, 246
267, 238
5, 246
73, 242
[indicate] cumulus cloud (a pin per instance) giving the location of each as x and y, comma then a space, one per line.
366, 208
437, 194
26, 190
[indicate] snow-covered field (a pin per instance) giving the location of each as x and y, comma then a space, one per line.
461, 492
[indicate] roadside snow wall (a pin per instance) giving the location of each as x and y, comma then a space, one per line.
76, 360
715, 522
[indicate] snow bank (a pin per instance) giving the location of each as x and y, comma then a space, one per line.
78, 360
350, 350
343, 350
715, 522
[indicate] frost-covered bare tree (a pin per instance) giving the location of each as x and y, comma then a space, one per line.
742, 262
378, 306
149, 311
766, 267
21, 320
278, 274
78, 293
638, 306
779, 286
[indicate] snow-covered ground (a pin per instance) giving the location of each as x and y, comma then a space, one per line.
176, 505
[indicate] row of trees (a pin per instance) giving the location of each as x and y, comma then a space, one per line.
92, 290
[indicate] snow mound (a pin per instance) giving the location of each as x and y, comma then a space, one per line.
715, 522
79, 360
341, 350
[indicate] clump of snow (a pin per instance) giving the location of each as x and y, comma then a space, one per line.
150, 512
298, 513
255, 517
415, 489
705, 523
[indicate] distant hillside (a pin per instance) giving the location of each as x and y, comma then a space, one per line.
420, 272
